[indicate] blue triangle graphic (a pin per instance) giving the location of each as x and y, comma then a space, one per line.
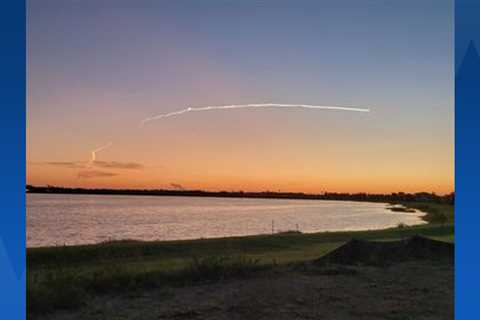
469, 71
12, 231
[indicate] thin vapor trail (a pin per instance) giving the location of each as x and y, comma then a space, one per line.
258, 105
94, 152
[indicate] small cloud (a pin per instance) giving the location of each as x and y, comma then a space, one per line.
177, 186
98, 164
66, 164
70, 165
118, 165
88, 174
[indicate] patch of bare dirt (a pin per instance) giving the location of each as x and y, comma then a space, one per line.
421, 289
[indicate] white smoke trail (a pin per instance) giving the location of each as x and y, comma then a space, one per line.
94, 152
258, 105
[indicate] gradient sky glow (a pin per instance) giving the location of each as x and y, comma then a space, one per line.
96, 68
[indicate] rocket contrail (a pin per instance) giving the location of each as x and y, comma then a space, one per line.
94, 152
258, 105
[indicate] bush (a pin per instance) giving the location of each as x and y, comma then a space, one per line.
216, 268
58, 290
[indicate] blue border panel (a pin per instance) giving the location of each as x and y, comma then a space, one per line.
467, 154
12, 141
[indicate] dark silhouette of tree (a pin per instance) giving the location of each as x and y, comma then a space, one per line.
392, 197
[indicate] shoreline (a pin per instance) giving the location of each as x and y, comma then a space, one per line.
434, 213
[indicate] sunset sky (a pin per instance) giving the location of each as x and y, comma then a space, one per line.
96, 68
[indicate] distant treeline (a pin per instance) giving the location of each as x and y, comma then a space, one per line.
392, 197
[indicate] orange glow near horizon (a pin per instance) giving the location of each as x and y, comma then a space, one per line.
204, 160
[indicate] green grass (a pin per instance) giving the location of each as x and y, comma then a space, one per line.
66, 277
436, 213
70, 288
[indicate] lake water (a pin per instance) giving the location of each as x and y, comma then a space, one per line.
57, 219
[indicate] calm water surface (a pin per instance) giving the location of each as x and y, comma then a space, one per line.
57, 219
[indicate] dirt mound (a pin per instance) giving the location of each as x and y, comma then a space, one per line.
382, 253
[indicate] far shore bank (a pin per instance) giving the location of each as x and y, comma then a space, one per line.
358, 196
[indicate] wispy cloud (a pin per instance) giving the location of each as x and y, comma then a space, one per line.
119, 165
98, 164
65, 164
177, 186
89, 174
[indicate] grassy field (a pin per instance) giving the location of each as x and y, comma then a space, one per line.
66, 277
